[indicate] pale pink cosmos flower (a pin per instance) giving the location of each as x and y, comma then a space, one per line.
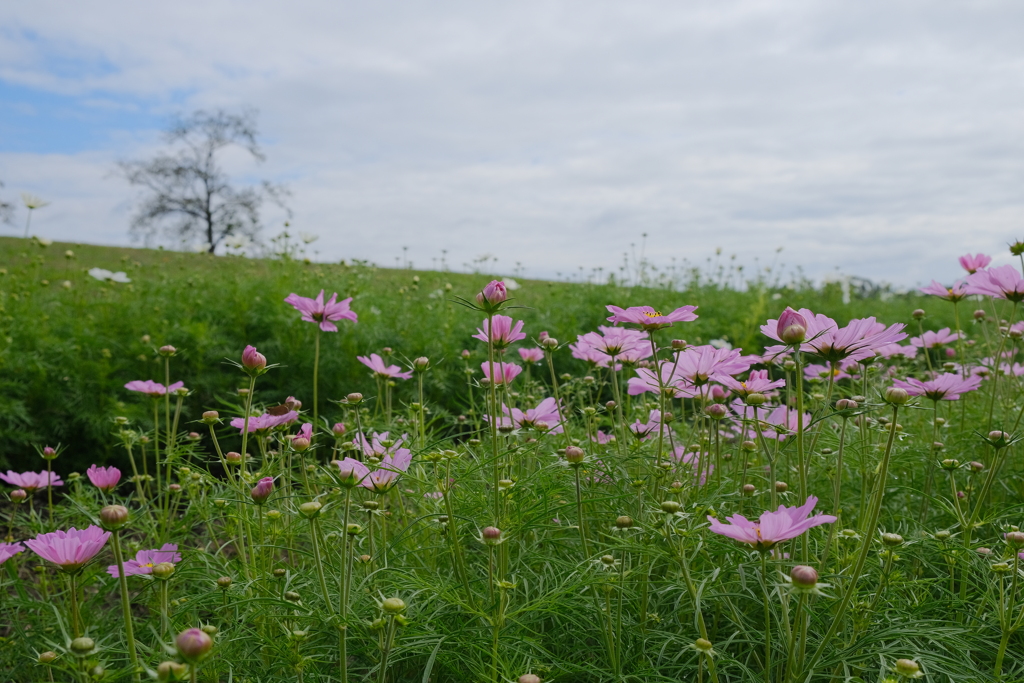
1015, 370
381, 479
699, 365
376, 363
545, 417
757, 382
30, 481
259, 423
931, 340
70, 549
974, 263
857, 340
773, 527
955, 293
648, 318
151, 388
666, 379
531, 355
945, 387
776, 423
145, 560
1003, 282
893, 350
104, 478
617, 341
642, 430
325, 314
500, 331
9, 550
602, 438
374, 446
504, 373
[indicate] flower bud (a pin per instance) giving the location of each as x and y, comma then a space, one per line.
791, 327
310, 510
950, 464
998, 438
755, 399
253, 360
529, 678
82, 646
702, 644
550, 344
979, 315
193, 644
47, 657
393, 605
607, 560
355, 398
211, 417
846, 404
942, 535
233, 458
574, 455
892, 540
262, 490
1015, 539
279, 573
163, 570
748, 489
49, 453
917, 314
18, 495
804, 576
977, 466
224, 583
670, 506
493, 295
113, 517
610, 405
984, 552
907, 668
292, 596
623, 522
896, 396
491, 535
716, 411
171, 671
781, 487
421, 364
167, 350
300, 444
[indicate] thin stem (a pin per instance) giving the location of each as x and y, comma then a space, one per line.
767, 620
316, 382
126, 607
579, 513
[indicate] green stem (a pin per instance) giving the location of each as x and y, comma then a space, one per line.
579, 513
316, 382
314, 535
767, 620
126, 607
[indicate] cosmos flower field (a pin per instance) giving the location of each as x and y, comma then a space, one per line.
626, 501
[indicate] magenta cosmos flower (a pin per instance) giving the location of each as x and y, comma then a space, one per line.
30, 481
378, 480
316, 311
1003, 282
531, 355
151, 388
648, 318
104, 478
376, 363
145, 560
974, 263
9, 550
259, 423
945, 387
955, 293
758, 382
70, 549
501, 331
493, 295
504, 373
772, 527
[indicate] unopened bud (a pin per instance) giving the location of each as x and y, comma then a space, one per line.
491, 535
114, 517
917, 314
977, 466
211, 417
354, 398
716, 411
892, 540
670, 506
47, 657
755, 399
163, 570
421, 364
310, 509
574, 455
550, 344
748, 489
896, 396
1015, 538
233, 458
529, 678
803, 576
623, 522
907, 668
82, 646
781, 487
167, 350
193, 644
979, 315
18, 495
846, 404
224, 583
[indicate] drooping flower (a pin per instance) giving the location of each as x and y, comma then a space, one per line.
145, 560
974, 263
376, 363
648, 318
1003, 282
259, 423
931, 340
104, 478
151, 388
9, 550
70, 549
531, 355
757, 382
955, 293
30, 481
945, 387
500, 331
316, 311
504, 373
773, 527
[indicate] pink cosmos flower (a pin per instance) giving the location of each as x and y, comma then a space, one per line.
259, 423
70, 549
1003, 282
381, 479
104, 478
145, 560
504, 332
931, 340
781, 418
531, 355
584, 351
1015, 370
648, 318
602, 438
955, 293
757, 382
544, 418
151, 388
617, 341
316, 311
648, 381
694, 461
504, 373
305, 432
773, 527
699, 365
974, 263
9, 550
816, 326
375, 447
376, 363
263, 489
253, 360
945, 387
858, 340
641, 430
893, 350
30, 481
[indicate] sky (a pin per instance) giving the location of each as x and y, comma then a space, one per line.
873, 139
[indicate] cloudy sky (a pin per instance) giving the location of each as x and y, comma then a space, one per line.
880, 138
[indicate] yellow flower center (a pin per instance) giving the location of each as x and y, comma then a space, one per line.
653, 314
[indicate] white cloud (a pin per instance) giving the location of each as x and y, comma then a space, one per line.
883, 139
